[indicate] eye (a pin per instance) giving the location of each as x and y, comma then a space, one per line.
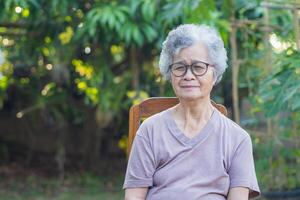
199, 67
179, 67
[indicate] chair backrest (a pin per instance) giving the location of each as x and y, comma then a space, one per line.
150, 107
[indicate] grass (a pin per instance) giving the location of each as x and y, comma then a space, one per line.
80, 187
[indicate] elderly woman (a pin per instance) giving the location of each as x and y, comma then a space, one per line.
191, 151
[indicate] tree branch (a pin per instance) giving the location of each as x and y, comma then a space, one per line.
13, 25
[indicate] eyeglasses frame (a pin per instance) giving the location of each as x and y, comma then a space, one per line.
190, 66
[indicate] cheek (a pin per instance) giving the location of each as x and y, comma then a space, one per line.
174, 83
208, 80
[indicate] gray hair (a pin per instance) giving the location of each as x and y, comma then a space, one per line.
188, 34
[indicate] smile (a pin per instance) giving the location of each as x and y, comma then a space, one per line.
189, 86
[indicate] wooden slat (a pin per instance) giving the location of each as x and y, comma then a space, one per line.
134, 122
155, 105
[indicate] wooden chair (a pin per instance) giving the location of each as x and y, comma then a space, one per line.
150, 107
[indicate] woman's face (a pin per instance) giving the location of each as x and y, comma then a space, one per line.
190, 86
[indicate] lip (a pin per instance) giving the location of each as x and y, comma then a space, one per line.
189, 86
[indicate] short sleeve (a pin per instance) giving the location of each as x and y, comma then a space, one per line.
141, 165
242, 170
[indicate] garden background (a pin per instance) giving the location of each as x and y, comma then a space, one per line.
71, 69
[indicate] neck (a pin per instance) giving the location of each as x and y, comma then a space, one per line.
200, 109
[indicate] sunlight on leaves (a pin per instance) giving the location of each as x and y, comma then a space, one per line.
83, 69
47, 88
25, 12
122, 144
65, 37
137, 97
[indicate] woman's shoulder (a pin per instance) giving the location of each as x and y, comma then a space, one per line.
153, 122
232, 129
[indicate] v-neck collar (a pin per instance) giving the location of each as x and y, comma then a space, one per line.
199, 137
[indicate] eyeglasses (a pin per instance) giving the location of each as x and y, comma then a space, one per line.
198, 68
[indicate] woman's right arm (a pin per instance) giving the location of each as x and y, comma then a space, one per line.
136, 193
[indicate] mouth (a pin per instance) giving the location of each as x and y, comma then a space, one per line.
189, 86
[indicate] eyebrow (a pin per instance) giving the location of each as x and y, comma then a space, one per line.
193, 61
180, 62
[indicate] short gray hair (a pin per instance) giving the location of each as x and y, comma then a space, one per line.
188, 34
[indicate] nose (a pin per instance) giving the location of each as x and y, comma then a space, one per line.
189, 74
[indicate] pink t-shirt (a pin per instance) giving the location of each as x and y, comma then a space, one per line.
176, 167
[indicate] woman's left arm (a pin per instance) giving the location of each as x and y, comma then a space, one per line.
243, 182
238, 193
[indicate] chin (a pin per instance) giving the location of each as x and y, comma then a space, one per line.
190, 97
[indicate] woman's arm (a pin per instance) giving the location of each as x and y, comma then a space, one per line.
136, 193
238, 193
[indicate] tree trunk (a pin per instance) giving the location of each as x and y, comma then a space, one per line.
296, 27
135, 68
235, 72
267, 31
268, 58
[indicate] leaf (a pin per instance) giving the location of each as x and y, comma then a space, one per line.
105, 14
149, 32
92, 26
290, 92
127, 30
175, 7
8, 4
137, 36
35, 4
120, 16
111, 21
133, 7
295, 103
269, 93
148, 10
281, 89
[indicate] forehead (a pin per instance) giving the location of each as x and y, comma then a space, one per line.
197, 51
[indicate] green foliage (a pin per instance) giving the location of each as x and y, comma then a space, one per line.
280, 91
277, 96
66, 57
6, 80
93, 29
85, 186
61, 54
277, 162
